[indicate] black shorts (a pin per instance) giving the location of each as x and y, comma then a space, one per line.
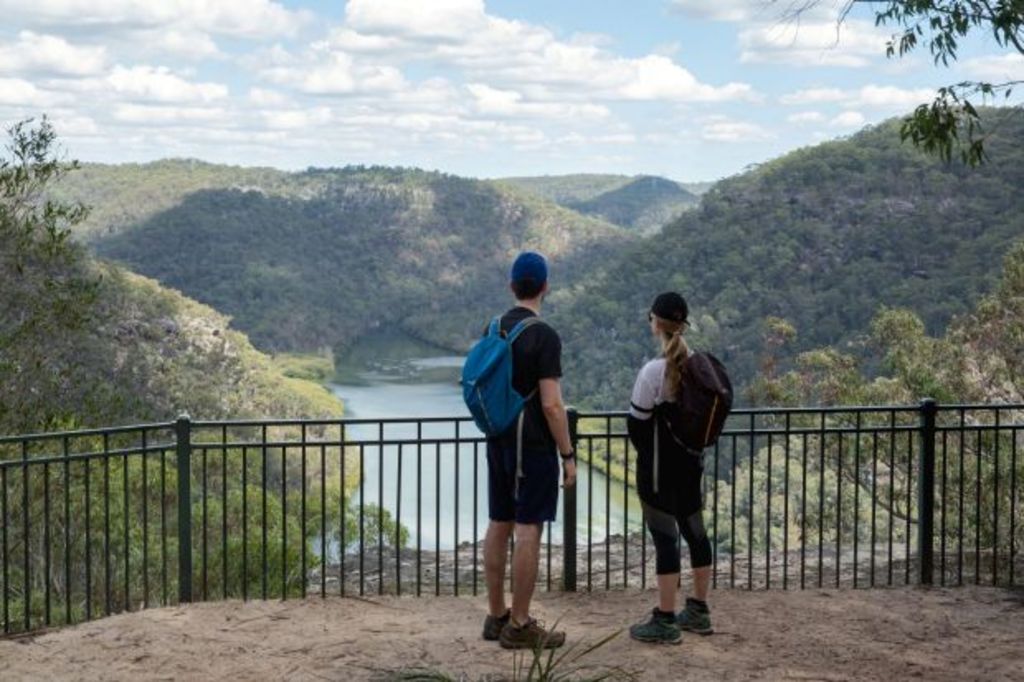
537, 499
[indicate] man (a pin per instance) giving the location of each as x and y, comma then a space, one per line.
523, 476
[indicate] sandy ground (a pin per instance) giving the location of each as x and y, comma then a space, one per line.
890, 634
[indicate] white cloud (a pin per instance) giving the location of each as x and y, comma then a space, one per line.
724, 10
996, 68
35, 53
436, 19
262, 97
241, 18
163, 115
292, 119
18, 92
726, 130
848, 119
325, 71
191, 45
806, 117
508, 103
159, 84
814, 96
854, 43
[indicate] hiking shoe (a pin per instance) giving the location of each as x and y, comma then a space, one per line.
660, 629
493, 625
530, 635
695, 617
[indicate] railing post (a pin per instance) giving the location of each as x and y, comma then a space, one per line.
926, 493
183, 432
569, 516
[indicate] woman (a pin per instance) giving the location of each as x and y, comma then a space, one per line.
669, 481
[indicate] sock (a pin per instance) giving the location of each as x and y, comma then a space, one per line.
700, 605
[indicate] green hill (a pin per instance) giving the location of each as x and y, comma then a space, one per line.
644, 203
822, 237
423, 253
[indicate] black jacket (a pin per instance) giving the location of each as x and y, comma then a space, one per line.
668, 477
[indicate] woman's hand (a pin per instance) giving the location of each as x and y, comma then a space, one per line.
569, 472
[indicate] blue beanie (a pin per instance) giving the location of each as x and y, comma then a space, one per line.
530, 265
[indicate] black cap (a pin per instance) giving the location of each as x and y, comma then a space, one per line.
671, 306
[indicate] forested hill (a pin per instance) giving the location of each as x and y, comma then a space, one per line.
644, 203
822, 237
369, 248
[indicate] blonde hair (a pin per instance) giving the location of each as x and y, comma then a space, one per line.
675, 350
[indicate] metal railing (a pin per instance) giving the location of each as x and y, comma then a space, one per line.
92, 522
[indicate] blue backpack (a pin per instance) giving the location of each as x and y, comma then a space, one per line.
487, 379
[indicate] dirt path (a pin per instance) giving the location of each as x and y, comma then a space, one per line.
890, 634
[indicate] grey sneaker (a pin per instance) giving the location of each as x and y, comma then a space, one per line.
695, 618
661, 628
493, 626
530, 635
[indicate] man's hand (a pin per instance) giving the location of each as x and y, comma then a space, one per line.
569, 472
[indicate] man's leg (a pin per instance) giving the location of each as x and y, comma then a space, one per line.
495, 551
524, 567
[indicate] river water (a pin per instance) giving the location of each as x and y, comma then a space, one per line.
441, 495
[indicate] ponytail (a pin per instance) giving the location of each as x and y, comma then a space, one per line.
676, 351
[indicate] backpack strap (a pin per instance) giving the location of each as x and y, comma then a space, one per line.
521, 326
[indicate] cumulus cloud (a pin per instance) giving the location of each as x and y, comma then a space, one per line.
806, 117
160, 84
877, 98
727, 130
995, 68
848, 119
39, 54
18, 92
853, 43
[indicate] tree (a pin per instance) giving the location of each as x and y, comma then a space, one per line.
950, 122
48, 290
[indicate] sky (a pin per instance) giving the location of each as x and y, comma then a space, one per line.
694, 90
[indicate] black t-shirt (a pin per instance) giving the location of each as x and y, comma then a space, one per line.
536, 355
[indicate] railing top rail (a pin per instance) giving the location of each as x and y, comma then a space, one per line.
583, 414
84, 433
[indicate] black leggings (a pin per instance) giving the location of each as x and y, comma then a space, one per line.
665, 530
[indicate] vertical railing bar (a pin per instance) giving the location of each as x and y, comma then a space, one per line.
163, 528
625, 513
714, 524
67, 532
839, 507
303, 511
124, 523
856, 497
437, 519
874, 501
607, 503
942, 518
380, 507
6, 547
224, 511
145, 522
245, 523
106, 523
547, 543
323, 521
995, 502
476, 522
926, 494
750, 513
803, 514
263, 510
456, 514
1013, 503
785, 510
821, 503
284, 523
27, 575
977, 514
910, 499
362, 519
892, 488
398, 523
960, 529
205, 527
419, 508
590, 513
768, 519
732, 519
86, 465
342, 503
46, 543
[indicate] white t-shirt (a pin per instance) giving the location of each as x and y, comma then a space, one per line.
648, 390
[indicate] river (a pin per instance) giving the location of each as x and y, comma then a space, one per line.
420, 382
